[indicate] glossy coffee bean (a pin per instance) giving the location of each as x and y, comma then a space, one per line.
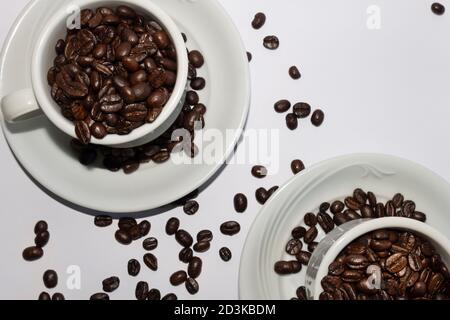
259, 172
310, 220
192, 286
205, 235
196, 59
259, 21
202, 246
172, 226
186, 255
101, 296
438, 8
103, 221
271, 42
302, 110
298, 233
50, 279
178, 278
297, 166
150, 244
58, 297
262, 195
240, 203
42, 239
318, 118
32, 253
291, 121
134, 268
282, 106
151, 261
294, 73
191, 207
111, 284
44, 296
230, 228
225, 254
142, 290
41, 226
195, 267
123, 237
184, 238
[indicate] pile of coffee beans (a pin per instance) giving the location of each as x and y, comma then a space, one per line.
409, 268
114, 74
42, 236
159, 150
359, 205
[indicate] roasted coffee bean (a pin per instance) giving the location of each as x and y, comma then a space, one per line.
351, 276
324, 207
294, 73
291, 121
310, 219
205, 235
302, 110
44, 296
259, 20
318, 118
142, 290
336, 269
298, 233
98, 130
312, 246
186, 255
337, 207
225, 254
111, 284
101, 296
50, 279
271, 42
42, 239
357, 262
351, 215
420, 216
191, 207
438, 8
340, 218
83, 132
303, 257
196, 59
195, 267
123, 237
151, 261
282, 106
178, 278
184, 238
192, 98
103, 221
396, 263
127, 223
150, 244
294, 247
287, 267
58, 297
380, 210
301, 293
331, 283
311, 235
262, 195
367, 212
40, 226
192, 286
169, 297
198, 83
249, 56
240, 203
32, 253
360, 196
297, 166
325, 221
259, 172
172, 226
230, 228
408, 209
397, 201
415, 263
202, 246
134, 268
352, 203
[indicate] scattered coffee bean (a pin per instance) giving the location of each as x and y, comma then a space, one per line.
312, 246
294, 73
58, 297
44, 296
111, 284
230, 228
438, 8
291, 121
191, 207
298, 233
50, 279
123, 237
259, 172
103, 221
154, 295
205, 235
172, 226
240, 203
287, 267
262, 195
317, 118
134, 267
302, 110
282, 106
42, 239
294, 247
192, 286
310, 220
311, 235
225, 254
301, 294
198, 83
195, 267
178, 278
169, 297
184, 238
196, 59
127, 223
142, 290
202, 246
151, 261
150, 244
249, 56
271, 42
259, 21
297, 166
303, 257
41, 226
101, 296
32, 253
186, 255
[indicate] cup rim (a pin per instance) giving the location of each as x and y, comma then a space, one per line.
42, 91
367, 226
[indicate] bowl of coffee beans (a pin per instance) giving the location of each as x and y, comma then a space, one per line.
384, 259
116, 72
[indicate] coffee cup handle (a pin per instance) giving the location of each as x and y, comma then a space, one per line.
19, 106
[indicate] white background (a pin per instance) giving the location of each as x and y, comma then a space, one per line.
382, 90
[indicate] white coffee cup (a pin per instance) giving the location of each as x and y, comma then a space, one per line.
30, 102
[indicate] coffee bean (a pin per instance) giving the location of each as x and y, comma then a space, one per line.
302, 110
294, 247
297, 166
186, 255
337, 207
83, 132
262, 196
169, 297
40, 227
44, 296
111, 284
205, 236
192, 286
367, 212
312, 246
282, 106
150, 244
142, 290
352, 203
301, 293
310, 219
58, 297
198, 83
259, 172
134, 267
195, 267
196, 59
326, 222
351, 215
42, 239
103, 221
230, 228
240, 203
317, 118
287, 267
311, 235
50, 279
438, 8
303, 257
172, 226
127, 223
123, 237
225, 254
294, 73
32, 253
259, 20
101, 296
249, 56
271, 42
184, 238
298, 233
420, 216
202, 246
191, 207
151, 261
178, 278
291, 121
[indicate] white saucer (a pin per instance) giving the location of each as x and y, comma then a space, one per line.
328, 181
44, 152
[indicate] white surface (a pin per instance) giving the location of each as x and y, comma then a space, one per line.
382, 90
332, 180
43, 151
